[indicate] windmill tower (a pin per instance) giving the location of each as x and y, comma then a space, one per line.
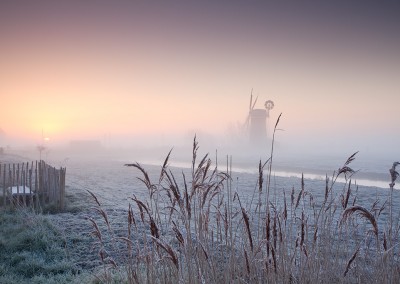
256, 122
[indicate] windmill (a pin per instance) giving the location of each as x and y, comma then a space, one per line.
251, 107
256, 121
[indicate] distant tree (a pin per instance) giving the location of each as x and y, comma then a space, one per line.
40, 148
2, 135
2, 138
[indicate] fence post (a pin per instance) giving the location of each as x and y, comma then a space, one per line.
56, 179
62, 187
4, 187
37, 185
11, 182
48, 182
17, 184
26, 184
17, 181
30, 186
23, 186
50, 174
4, 190
26, 173
41, 182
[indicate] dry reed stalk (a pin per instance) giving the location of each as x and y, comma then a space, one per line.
312, 202
270, 162
301, 193
207, 220
384, 241
285, 214
346, 171
292, 197
260, 186
246, 221
94, 197
303, 224
304, 249
393, 176
260, 177
362, 212
326, 189
298, 200
102, 251
355, 197
383, 207
204, 168
274, 259
272, 153
164, 167
219, 219
172, 187
345, 200
203, 249
146, 180
267, 232
167, 248
200, 171
125, 239
186, 199
176, 196
247, 261
96, 232
226, 223
142, 207
280, 230
274, 231
195, 147
232, 260
154, 229
178, 234
214, 188
374, 207
131, 218
348, 266
104, 215
315, 234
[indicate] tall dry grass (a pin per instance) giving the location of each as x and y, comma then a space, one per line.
194, 227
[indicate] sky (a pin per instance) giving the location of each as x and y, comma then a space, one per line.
131, 72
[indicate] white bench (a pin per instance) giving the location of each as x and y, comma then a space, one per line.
14, 190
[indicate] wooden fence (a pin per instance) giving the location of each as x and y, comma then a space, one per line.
32, 184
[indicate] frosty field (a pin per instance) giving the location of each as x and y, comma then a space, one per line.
292, 240
114, 185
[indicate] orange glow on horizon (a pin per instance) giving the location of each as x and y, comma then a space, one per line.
122, 73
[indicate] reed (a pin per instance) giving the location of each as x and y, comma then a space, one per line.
194, 227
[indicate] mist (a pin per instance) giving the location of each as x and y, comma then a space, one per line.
138, 80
